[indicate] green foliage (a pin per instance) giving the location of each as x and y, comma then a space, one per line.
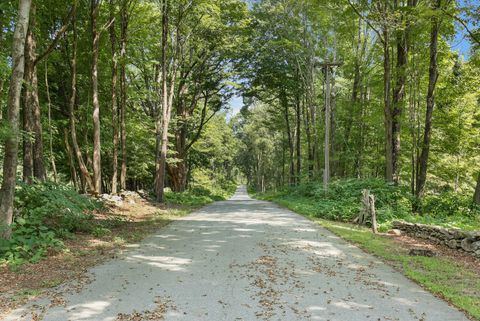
59, 207
30, 241
47, 212
206, 188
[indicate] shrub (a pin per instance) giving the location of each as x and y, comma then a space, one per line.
46, 213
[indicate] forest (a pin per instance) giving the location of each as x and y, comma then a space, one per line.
306, 102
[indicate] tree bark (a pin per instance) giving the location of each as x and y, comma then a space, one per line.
73, 131
34, 165
73, 171
326, 171
298, 116
398, 99
476, 196
284, 102
387, 107
162, 123
50, 130
97, 158
28, 100
432, 81
7, 190
123, 93
113, 40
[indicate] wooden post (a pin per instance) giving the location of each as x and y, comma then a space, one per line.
368, 210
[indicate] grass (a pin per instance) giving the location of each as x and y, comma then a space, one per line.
448, 279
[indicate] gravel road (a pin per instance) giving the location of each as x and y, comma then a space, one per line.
243, 259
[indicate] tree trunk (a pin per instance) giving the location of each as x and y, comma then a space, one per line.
284, 102
310, 159
33, 146
123, 94
298, 116
50, 130
402, 39
71, 108
97, 148
113, 40
432, 81
178, 175
7, 190
29, 74
398, 101
73, 171
387, 107
326, 171
167, 96
476, 196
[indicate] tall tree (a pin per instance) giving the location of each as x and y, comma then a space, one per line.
97, 148
398, 99
432, 82
113, 41
33, 155
167, 90
86, 177
7, 190
124, 13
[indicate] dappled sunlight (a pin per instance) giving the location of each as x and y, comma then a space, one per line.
404, 301
316, 308
324, 249
350, 305
164, 262
89, 310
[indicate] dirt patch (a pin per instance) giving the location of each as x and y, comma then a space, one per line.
127, 223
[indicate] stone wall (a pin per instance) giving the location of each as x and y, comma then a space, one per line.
457, 239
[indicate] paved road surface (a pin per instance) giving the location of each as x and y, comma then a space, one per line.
244, 259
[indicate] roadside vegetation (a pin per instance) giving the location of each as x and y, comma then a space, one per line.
342, 202
50, 215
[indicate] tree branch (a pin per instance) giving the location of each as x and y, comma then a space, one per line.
366, 20
464, 24
59, 34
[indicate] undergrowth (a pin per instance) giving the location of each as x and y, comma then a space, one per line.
48, 213
342, 202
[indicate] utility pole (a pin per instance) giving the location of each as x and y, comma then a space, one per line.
327, 68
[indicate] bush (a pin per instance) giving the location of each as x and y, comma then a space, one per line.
47, 212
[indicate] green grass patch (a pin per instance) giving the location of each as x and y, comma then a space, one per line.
441, 276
